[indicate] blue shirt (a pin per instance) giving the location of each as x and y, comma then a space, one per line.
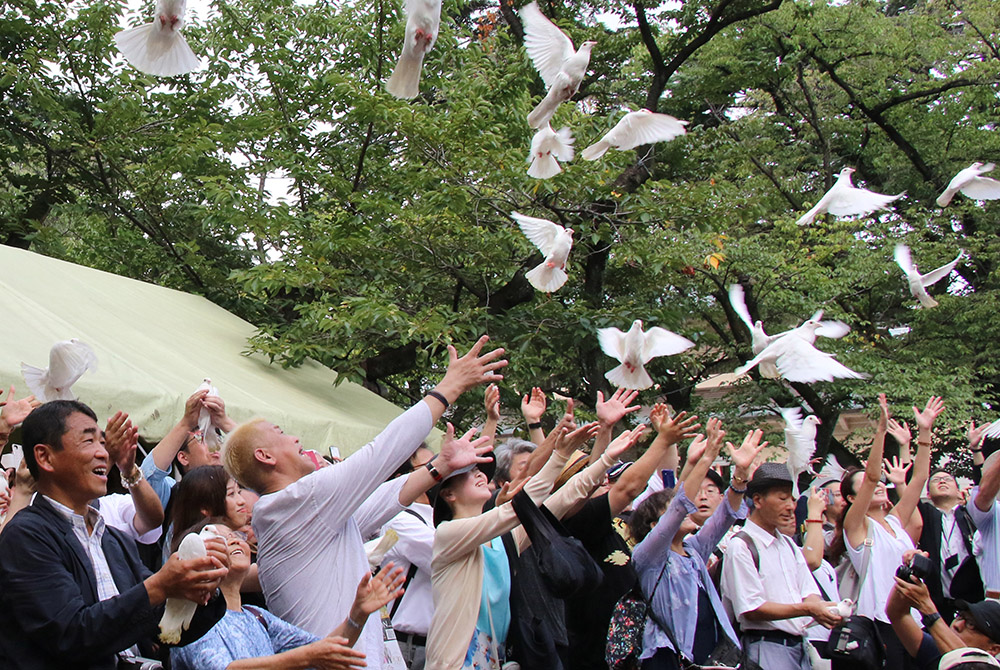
496, 592
239, 635
676, 599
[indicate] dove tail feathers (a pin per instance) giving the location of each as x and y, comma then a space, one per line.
636, 379
545, 278
544, 167
405, 80
927, 301
596, 150
945, 198
37, 380
157, 53
543, 112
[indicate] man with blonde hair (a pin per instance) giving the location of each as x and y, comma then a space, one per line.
310, 523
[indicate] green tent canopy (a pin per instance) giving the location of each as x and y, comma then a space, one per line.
155, 345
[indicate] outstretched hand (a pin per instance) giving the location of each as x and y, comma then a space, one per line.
715, 435
624, 442
122, 442
900, 432
816, 503
744, 457
976, 434
461, 452
895, 471
614, 409
673, 429
376, 591
491, 400
472, 369
533, 405
933, 408
14, 412
568, 441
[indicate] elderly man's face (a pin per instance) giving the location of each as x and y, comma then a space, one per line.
80, 468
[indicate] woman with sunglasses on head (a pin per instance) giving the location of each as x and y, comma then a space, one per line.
471, 575
876, 536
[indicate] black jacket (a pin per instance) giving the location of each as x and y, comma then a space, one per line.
966, 584
50, 615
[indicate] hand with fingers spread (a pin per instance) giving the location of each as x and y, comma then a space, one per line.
672, 429
491, 400
615, 408
901, 433
743, 459
925, 419
509, 490
696, 449
715, 434
376, 591
976, 434
895, 471
461, 452
470, 370
568, 441
14, 412
625, 441
533, 406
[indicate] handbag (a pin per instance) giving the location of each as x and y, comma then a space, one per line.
563, 562
856, 640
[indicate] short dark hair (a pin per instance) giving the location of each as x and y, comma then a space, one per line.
46, 425
203, 488
649, 511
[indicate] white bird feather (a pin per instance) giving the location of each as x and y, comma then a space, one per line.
971, 184
797, 360
178, 612
635, 129
636, 348
68, 360
209, 431
800, 441
844, 199
548, 147
918, 283
555, 243
159, 48
560, 65
423, 18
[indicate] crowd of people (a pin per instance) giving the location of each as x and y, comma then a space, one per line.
537, 553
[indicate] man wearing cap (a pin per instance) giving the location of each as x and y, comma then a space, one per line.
975, 625
985, 512
766, 582
310, 523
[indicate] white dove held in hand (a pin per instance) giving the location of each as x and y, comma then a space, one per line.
68, 360
972, 185
918, 282
159, 48
635, 129
548, 147
423, 18
209, 431
800, 441
844, 199
636, 348
561, 66
797, 360
179, 611
555, 243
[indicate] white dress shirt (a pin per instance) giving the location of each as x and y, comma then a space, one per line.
118, 511
416, 547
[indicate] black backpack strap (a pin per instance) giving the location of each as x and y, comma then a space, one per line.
751, 547
411, 573
414, 513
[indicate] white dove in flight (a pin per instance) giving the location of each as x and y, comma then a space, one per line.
759, 338
797, 360
561, 67
555, 243
548, 147
178, 612
844, 199
800, 441
159, 48
636, 348
918, 282
970, 182
209, 431
68, 360
635, 129
423, 17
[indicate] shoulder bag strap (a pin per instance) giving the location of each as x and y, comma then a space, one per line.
411, 573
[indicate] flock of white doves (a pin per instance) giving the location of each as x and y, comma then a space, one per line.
158, 48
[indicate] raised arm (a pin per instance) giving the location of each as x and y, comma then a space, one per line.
533, 409
491, 402
743, 460
989, 486
122, 441
907, 505
609, 413
694, 452
669, 431
540, 456
455, 454
813, 543
13, 413
901, 433
976, 435
855, 521
465, 372
165, 451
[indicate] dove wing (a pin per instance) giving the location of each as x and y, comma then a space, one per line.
793, 421
661, 342
902, 256
547, 46
982, 188
541, 232
850, 202
612, 342
737, 299
68, 361
935, 276
799, 361
638, 128
833, 329
992, 430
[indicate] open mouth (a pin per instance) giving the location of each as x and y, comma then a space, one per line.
101, 472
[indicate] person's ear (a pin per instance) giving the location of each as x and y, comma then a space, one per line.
44, 457
447, 495
183, 458
263, 456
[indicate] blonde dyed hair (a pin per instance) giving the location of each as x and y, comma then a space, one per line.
238, 454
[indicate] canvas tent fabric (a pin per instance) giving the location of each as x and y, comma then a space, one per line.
155, 345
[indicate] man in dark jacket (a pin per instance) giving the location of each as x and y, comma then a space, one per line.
946, 536
73, 593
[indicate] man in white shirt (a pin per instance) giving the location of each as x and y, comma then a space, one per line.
766, 582
310, 523
985, 512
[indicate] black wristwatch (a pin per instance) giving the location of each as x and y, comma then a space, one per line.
929, 620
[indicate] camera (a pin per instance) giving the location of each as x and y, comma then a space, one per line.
920, 567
